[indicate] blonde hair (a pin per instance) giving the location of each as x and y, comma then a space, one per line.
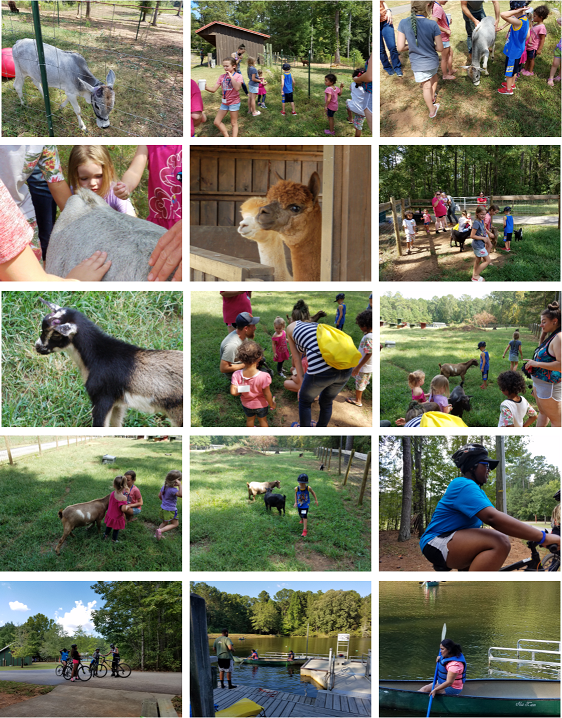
416, 378
439, 385
251, 60
80, 154
119, 483
279, 321
172, 477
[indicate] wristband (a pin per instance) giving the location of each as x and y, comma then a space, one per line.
543, 538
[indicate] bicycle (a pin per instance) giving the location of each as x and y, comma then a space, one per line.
97, 670
535, 563
82, 674
59, 670
123, 669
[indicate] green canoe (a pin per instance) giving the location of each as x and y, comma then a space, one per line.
488, 697
270, 661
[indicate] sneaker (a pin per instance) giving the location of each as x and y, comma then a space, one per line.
327, 132
527, 73
505, 91
158, 534
300, 522
293, 113
283, 112
264, 107
504, 84
304, 533
399, 73
255, 114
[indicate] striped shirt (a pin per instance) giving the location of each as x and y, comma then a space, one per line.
304, 336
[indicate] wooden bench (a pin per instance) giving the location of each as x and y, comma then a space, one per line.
160, 708
206, 266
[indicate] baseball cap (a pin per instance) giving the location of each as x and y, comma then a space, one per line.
244, 319
481, 344
339, 296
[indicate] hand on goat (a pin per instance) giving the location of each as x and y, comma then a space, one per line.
167, 256
92, 269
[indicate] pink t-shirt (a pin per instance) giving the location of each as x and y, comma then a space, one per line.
196, 103
439, 207
535, 36
233, 306
253, 399
230, 96
164, 184
488, 221
114, 517
333, 93
458, 668
441, 16
15, 232
133, 495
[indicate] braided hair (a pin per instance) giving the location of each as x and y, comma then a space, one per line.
414, 21
421, 8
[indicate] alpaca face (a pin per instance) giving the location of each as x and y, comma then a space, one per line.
249, 226
292, 209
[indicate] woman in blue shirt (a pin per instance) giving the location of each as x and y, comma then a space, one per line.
454, 539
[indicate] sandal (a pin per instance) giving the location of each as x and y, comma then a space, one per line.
432, 117
352, 401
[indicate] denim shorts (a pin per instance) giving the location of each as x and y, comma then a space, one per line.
480, 252
136, 510
254, 87
260, 412
450, 691
425, 75
232, 108
446, 44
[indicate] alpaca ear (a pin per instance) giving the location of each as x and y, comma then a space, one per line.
314, 185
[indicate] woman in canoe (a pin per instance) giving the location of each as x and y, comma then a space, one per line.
451, 670
254, 655
454, 539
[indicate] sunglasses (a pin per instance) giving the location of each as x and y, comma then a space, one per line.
484, 463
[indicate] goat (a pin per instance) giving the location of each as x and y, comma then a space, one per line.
458, 238
117, 375
518, 236
483, 39
85, 514
68, 72
450, 370
300, 456
88, 223
277, 501
459, 401
257, 487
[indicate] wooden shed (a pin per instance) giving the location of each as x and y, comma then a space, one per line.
227, 38
222, 178
6, 658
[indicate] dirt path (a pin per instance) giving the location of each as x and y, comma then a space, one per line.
406, 556
343, 414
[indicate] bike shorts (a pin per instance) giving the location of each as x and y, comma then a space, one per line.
436, 550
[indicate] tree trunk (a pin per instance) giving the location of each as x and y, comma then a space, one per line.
88, 4
180, 9
406, 515
456, 173
155, 16
348, 34
337, 31
419, 489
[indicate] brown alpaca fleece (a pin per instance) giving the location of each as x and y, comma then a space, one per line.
293, 211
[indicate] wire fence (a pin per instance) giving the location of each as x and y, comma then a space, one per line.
147, 61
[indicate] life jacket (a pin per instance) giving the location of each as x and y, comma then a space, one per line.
442, 667
255, 654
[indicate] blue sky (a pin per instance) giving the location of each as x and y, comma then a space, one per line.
70, 603
254, 588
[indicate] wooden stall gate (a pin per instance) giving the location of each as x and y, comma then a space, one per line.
223, 178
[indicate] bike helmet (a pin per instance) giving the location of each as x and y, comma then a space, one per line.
517, 4
557, 495
112, 645
468, 456
303, 479
74, 645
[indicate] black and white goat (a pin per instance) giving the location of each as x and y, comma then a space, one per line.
117, 375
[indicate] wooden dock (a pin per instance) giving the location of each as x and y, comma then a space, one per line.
279, 703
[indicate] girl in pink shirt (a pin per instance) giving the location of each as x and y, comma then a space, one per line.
252, 385
279, 344
115, 516
331, 100
537, 36
447, 55
231, 81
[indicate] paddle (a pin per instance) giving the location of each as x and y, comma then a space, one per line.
443, 634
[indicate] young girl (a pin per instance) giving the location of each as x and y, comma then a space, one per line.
302, 501
169, 494
355, 111
537, 36
279, 345
415, 381
426, 220
362, 372
75, 661
91, 166
515, 408
262, 92
447, 55
409, 225
439, 393
514, 347
115, 517
252, 385
231, 82
481, 245
253, 87
465, 225
424, 42
555, 61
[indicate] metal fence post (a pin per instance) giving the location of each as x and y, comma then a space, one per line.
42, 68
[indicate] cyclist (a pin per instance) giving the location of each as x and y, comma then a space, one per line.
64, 656
555, 519
94, 663
114, 652
453, 538
75, 660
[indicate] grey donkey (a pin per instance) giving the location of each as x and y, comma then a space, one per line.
483, 38
68, 72
88, 223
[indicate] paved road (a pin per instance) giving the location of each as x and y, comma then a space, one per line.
34, 448
154, 682
547, 219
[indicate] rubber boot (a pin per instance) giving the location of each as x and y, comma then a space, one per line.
230, 684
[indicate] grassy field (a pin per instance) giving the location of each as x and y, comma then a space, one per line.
425, 349
310, 121
35, 489
211, 402
148, 69
48, 390
231, 533
533, 111
31, 667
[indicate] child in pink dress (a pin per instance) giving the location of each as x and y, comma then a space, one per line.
279, 344
115, 518
252, 385
262, 92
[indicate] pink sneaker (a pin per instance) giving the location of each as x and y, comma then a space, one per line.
158, 534
527, 73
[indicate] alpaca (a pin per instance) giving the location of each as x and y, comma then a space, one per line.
270, 244
294, 212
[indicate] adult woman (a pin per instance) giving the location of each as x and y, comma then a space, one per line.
451, 207
451, 670
454, 537
544, 367
440, 211
320, 378
387, 34
114, 651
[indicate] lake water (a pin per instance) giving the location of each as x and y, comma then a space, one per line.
285, 679
478, 614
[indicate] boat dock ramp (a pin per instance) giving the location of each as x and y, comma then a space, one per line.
278, 703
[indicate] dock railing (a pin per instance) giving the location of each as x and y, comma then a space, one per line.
533, 650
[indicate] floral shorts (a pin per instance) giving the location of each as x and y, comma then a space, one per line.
358, 121
362, 380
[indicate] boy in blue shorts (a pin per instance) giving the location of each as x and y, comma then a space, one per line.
484, 364
507, 228
287, 87
515, 45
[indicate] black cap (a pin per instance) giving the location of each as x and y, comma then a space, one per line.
286, 66
244, 319
471, 454
339, 296
481, 344
506, 209
303, 479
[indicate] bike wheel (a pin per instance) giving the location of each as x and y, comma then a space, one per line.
66, 673
83, 674
102, 670
124, 670
59, 670
551, 563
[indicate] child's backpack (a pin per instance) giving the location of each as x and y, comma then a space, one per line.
438, 419
337, 347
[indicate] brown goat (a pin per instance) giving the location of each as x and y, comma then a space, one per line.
85, 514
450, 370
260, 487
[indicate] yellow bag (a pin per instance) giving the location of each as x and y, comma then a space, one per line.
438, 419
244, 707
337, 347
456, 227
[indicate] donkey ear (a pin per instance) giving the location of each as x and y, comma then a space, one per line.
86, 86
110, 79
314, 185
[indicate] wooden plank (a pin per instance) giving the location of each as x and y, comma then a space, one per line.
309, 700
259, 176
361, 709
227, 168
321, 699
149, 708
344, 706
209, 174
194, 213
229, 269
208, 213
165, 708
263, 153
329, 699
281, 709
224, 240
194, 172
352, 705
227, 214
244, 175
307, 169
385, 206
293, 171
344, 217
327, 214
279, 167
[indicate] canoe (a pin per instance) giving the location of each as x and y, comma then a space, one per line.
275, 662
480, 697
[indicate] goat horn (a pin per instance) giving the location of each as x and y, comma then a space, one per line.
54, 307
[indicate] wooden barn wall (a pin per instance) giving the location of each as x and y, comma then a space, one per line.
228, 39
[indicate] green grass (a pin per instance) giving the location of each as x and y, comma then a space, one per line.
310, 120
48, 390
231, 533
31, 667
425, 349
26, 690
35, 489
533, 111
211, 402
16, 441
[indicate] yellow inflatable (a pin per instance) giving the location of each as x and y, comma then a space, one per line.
438, 419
